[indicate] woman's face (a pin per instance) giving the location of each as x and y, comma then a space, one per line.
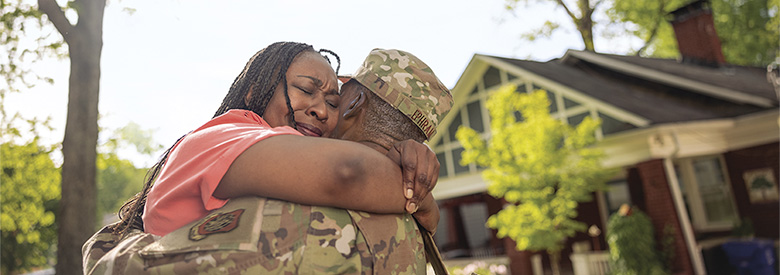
314, 97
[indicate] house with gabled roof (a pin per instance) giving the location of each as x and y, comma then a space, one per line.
695, 139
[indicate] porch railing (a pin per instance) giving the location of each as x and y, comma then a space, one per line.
590, 263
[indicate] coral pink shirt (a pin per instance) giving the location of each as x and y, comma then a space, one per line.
183, 192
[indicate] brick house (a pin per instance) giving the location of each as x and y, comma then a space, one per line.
695, 139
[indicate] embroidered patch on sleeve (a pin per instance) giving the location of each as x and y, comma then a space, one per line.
215, 223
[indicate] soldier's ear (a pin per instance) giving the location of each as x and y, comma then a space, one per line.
355, 106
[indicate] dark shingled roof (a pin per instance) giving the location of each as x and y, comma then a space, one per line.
749, 80
653, 100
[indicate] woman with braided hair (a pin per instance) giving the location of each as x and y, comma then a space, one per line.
260, 143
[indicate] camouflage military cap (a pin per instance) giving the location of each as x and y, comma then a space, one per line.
408, 84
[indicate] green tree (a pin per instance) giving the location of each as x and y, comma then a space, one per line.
749, 31
579, 11
541, 166
118, 179
19, 17
84, 41
29, 195
30, 192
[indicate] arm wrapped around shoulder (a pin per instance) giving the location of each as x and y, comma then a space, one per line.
316, 171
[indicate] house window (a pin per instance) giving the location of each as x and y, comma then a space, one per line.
611, 125
534, 88
617, 195
442, 237
707, 193
491, 78
553, 102
453, 128
471, 116
568, 103
520, 89
714, 191
475, 116
442, 164
475, 216
576, 119
519, 116
462, 228
456, 157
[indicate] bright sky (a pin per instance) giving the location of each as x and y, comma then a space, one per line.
168, 65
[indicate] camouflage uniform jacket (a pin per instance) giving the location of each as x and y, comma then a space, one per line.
263, 236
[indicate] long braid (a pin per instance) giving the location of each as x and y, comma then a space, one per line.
262, 74
338, 66
289, 104
131, 211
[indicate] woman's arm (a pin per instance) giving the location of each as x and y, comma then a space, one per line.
316, 171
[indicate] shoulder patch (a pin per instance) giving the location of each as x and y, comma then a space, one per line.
215, 223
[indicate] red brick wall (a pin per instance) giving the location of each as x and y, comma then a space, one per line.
697, 39
764, 215
660, 208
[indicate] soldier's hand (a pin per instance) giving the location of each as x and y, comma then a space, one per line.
428, 214
420, 170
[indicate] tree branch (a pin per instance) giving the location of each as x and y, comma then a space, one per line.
597, 4
654, 31
57, 17
562, 4
649, 40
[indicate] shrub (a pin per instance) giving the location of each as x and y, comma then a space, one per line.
631, 243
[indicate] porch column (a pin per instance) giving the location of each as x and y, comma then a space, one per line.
662, 212
519, 261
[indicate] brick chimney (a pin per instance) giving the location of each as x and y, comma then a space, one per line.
696, 37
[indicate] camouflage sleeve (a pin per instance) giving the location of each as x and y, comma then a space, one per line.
334, 245
106, 253
394, 241
242, 237
97, 246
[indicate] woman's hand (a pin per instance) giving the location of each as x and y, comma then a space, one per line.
420, 171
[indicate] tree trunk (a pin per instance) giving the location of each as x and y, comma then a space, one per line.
77, 209
585, 25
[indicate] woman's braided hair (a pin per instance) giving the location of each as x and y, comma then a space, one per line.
262, 74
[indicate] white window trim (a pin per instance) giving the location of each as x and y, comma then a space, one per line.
695, 204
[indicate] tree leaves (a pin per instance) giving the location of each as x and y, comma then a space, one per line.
540, 165
29, 194
749, 31
30, 189
579, 11
18, 18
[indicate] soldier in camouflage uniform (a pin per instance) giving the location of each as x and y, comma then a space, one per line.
254, 235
